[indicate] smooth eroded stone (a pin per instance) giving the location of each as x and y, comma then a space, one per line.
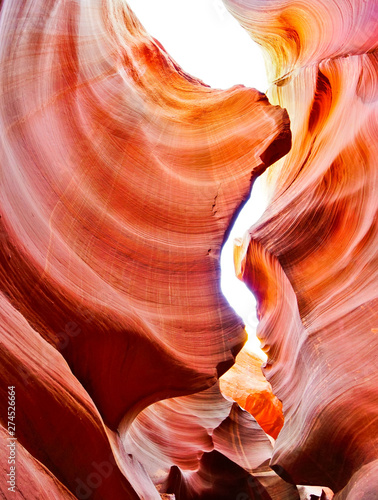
62, 443
198, 424
218, 478
120, 178
312, 258
23, 475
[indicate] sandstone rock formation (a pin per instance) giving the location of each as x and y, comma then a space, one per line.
120, 177
204, 446
312, 258
184, 442
34, 481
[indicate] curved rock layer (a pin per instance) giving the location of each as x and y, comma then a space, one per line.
211, 448
312, 258
56, 423
363, 485
218, 479
120, 176
200, 424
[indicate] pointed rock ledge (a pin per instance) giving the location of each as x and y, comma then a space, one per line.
246, 385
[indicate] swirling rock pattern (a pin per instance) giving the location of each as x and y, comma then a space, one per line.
207, 431
120, 176
312, 258
121, 190
215, 450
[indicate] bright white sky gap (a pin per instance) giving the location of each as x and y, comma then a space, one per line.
208, 43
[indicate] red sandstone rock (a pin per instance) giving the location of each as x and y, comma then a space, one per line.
218, 478
312, 258
198, 424
118, 188
182, 441
120, 176
55, 421
363, 485
34, 481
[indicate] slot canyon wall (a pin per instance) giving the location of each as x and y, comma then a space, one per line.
121, 176
312, 258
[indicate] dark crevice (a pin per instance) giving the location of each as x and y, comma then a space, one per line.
322, 103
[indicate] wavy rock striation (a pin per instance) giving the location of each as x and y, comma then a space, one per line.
120, 176
312, 258
63, 438
205, 430
213, 449
34, 481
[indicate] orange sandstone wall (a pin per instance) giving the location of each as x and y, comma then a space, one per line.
312, 258
245, 383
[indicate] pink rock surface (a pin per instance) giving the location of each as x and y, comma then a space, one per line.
204, 446
120, 176
312, 258
118, 188
61, 439
198, 424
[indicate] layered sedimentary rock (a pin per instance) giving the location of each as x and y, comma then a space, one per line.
191, 434
120, 176
56, 421
34, 481
212, 449
312, 258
